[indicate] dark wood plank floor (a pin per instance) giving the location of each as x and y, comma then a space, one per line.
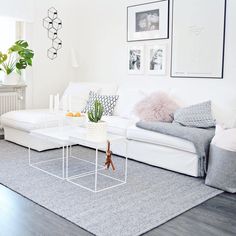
21, 217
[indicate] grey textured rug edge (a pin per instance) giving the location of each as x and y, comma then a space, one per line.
141, 233
44, 207
212, 193
179, 213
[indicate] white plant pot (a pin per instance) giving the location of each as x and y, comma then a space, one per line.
11, 79
97, 131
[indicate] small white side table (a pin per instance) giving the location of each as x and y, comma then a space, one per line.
82, 140
59, 135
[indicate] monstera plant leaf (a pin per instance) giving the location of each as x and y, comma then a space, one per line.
18, 57
3, 57
18, 46
21, 47
22, 64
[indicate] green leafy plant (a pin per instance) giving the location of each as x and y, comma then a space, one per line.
95, 115
17, 58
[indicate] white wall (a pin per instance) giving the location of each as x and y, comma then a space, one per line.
49, 76
110, 61
97, 31
19, 9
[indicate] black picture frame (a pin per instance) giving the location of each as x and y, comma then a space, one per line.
223, 49
145, 4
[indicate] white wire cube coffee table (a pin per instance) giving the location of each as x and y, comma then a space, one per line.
94, 176
52, 162
86, 172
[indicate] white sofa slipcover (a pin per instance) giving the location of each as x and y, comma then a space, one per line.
146, 146
27, 120
118, 125
146, 136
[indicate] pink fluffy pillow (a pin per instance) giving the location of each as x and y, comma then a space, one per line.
156, 107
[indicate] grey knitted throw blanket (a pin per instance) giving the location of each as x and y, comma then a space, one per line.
201, 138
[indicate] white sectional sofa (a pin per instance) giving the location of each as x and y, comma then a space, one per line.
153, 148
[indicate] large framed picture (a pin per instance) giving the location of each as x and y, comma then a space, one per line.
156, 60
198, 39
148, 21
136, 60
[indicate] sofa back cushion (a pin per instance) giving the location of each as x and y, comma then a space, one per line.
128, 98
79, 92
223, 102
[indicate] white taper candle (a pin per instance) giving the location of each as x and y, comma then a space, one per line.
70, 105
65, 103
51, 102
56, 102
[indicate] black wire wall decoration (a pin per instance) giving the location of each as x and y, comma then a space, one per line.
53, 24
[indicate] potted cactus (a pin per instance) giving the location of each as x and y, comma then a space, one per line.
96, 128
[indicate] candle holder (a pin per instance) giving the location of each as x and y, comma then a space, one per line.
53, 24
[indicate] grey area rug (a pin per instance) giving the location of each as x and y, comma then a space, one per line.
151, 197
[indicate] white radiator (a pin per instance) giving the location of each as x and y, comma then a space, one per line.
10, 101
12, 98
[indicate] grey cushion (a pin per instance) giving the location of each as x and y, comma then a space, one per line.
198, 116
108, 102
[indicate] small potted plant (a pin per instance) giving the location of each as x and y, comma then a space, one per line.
17, 58
96, 128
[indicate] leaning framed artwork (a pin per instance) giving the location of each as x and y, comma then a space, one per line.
156, 60
136, 60
198, 41
148, 21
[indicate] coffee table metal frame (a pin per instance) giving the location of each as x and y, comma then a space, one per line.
65, 150
66, 142
58, 135
98, 146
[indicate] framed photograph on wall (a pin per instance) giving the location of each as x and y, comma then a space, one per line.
136, 60
198, 40
148, 21
156, 60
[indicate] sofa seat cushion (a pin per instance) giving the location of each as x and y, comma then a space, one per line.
28, 120
117, 125
138, 134
225, 139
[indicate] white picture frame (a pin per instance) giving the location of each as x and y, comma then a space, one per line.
148, 21
156, 59
198, 40
135, 56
